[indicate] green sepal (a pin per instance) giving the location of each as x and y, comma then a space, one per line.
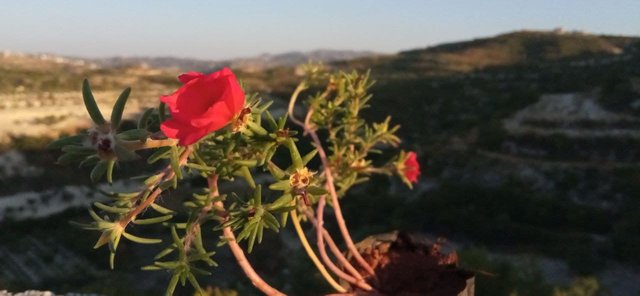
143, 122
72, 140
118, 108
90, 104
89, 161
69, 158
99, 170
134, 135
123, 154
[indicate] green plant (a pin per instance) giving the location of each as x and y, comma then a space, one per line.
245, 146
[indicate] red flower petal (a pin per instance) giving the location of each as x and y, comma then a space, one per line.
186, 77
204, 103
412, 167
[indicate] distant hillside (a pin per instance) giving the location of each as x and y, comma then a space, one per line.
516, 48
250, 64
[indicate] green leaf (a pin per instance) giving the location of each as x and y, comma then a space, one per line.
141, 240
275, 171
248, 163
202, 168
90, 104
282, 201
315, 190
118, 108
124, 154
252, 238
273, 125
72, 140
165, 252
296, 159
309, 156
153, 220
162, 152
257, 196
283, 218
78, 149
162, 112
257, 129
89, 161
161, 209
283, 185
111, 209
69, 158
173, 283
110, 165
271, 221
112, 259
194, 283
134, 135
246, 174
98, 171
144, 119
175, 162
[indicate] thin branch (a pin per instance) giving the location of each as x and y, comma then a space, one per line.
323, 253
329, 183
242, 260
336, 205
332, 246
212, 181
165, 175
312, 255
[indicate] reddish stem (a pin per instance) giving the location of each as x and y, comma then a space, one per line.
242, 260
358, 281
336, 205
166, 174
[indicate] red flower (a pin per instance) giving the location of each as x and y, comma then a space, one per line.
411, 167
205, 103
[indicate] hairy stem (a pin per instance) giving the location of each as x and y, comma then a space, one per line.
312, 255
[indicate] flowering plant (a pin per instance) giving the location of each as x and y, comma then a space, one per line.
213, 130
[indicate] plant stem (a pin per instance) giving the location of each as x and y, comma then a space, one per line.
166, 174
336, 205
195, 225
148, 144
312, 255
358, 281
329, 182
235, 248
333, 247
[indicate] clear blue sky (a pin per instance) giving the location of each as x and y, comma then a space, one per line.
224, 29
